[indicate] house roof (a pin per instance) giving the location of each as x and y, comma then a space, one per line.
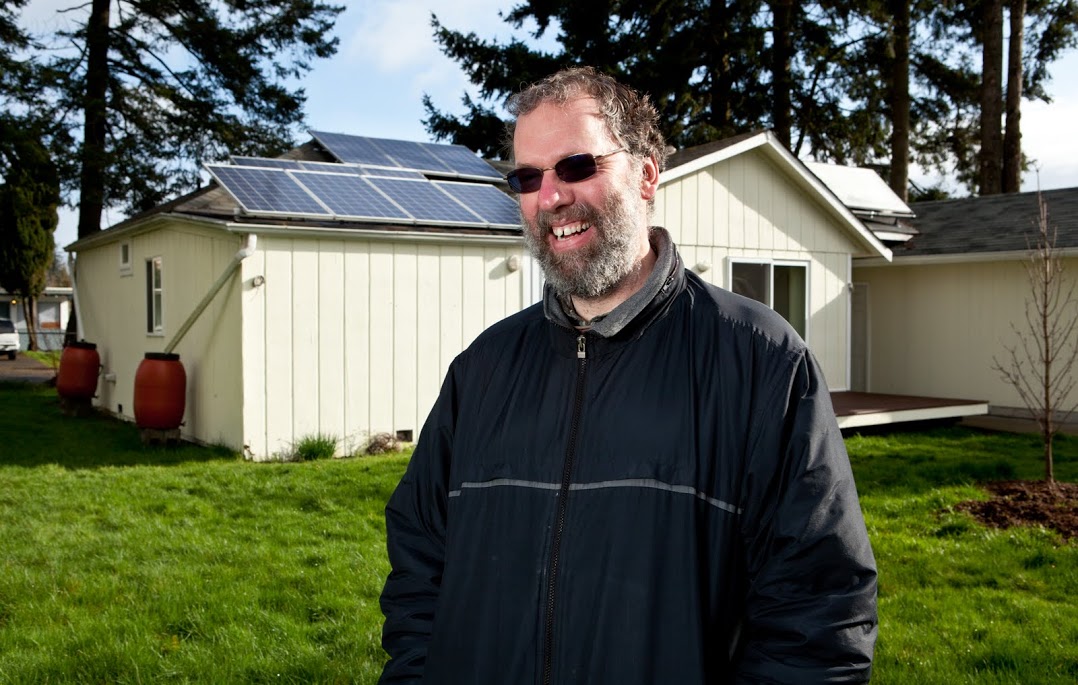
214, 205
990, 224
691, 160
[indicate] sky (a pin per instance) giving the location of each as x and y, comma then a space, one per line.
387, 60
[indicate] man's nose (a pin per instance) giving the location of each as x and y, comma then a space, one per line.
552, 192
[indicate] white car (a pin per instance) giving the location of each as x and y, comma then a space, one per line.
9, 339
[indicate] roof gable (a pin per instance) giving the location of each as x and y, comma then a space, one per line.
692, 160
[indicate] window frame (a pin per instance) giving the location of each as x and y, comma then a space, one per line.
125, 258
804, 264
155, 296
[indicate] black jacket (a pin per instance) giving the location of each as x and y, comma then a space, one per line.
673, 504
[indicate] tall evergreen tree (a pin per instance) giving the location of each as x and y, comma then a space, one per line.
700, 60
990, 34
1038, 36
1011, 181
157, 86
29, 195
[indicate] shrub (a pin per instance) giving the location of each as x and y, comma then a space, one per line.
316, 446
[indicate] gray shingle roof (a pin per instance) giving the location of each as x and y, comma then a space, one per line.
994, 223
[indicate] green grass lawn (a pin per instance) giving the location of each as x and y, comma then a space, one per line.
125, 564
960, 603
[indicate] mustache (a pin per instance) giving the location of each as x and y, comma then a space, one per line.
576, 212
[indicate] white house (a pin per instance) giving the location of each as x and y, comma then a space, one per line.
53, 310
343, 297
749, 216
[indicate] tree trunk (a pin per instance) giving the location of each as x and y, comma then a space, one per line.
782, 12
29, 315
1012, 140
991, 157
92, 178
721, 81
900, 100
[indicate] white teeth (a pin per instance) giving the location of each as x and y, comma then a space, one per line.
563, 232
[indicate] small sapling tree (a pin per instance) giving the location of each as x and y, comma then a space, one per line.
1041, 365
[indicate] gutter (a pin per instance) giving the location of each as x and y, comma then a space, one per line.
960, 258
250, 241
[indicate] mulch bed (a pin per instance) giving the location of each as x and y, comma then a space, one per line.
1028, 503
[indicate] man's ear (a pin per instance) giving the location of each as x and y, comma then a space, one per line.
649, 179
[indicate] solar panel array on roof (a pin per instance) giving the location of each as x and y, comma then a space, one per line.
431, 158
294, 190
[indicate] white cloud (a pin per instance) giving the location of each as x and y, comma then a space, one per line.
1047, 132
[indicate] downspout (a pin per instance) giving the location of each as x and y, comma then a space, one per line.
72, 267
246, 251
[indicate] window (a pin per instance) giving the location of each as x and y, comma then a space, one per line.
154, 320
125, 259
783, 286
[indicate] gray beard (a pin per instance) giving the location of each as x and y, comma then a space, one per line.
602, 265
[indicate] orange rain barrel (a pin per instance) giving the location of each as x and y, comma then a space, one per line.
160, 391
79, 367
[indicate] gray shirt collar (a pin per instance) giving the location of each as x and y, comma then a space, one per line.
611, 323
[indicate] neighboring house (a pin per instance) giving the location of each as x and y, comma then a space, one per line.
749, 216
53, 310
942, 310
347, 305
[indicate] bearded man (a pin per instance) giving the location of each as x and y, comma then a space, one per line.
638, 481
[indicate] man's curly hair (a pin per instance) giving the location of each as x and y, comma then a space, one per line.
630, 117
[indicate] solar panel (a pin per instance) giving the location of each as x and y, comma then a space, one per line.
330, 167
424, 200
411, 155
463, 161
494, 206
268, 162
389, 173
350, 196
352, 149
433, 158
263, 190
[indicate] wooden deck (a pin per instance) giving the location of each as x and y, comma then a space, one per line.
854, 409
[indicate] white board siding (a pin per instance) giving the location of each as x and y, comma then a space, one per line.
935, 328
382, 320
113, 309
746, 208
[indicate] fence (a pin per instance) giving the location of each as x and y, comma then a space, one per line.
48, 339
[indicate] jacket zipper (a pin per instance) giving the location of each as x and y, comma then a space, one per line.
563, 501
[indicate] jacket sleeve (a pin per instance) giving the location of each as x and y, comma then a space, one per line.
811, 604
415, 540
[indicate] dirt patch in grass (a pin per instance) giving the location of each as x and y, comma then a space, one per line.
1029, 503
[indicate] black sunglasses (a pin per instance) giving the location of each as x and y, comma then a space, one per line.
572, 169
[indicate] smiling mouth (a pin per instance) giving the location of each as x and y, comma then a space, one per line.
563, 232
